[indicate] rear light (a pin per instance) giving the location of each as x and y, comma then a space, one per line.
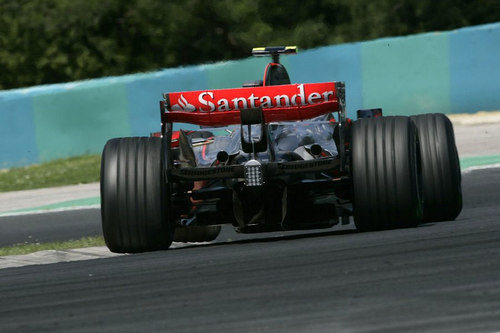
253, 173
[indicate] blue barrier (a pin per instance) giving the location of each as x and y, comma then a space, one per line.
475, 69
452, 72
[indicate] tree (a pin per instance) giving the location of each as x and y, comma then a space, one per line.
48, 41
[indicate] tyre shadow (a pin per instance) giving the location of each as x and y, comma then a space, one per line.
271, 238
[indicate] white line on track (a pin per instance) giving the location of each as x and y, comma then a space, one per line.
46, 211
26, 199
97, 206
480, 167
56, 256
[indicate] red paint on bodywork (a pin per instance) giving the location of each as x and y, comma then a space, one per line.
279, 103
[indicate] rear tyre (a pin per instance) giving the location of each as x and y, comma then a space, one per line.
196, 234
134, 196
441, 177
385, 171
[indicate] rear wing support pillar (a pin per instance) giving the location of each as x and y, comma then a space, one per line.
249, 117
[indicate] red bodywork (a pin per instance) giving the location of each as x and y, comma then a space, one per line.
220, 107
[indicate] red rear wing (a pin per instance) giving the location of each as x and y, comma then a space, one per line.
221, 107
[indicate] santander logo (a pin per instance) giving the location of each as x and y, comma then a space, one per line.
265, 97
183, 105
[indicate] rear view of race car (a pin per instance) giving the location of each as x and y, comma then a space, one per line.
275, 156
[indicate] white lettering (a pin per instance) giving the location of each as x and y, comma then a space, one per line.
302, 94
313, 97
279, 98
205, 102
326, 94
238, 100
209, 104
252, 100
265, 102
223, 105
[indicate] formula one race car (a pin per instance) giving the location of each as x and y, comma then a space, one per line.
275, 156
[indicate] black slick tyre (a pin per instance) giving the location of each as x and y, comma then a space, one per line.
385, 173
134, 196
196, 233
441, 177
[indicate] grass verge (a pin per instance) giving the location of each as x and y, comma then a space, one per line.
34, 247
67, 171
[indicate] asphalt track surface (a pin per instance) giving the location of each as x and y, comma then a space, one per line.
50, 226
442, 277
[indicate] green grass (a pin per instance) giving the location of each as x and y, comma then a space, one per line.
67, 171
71, 244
